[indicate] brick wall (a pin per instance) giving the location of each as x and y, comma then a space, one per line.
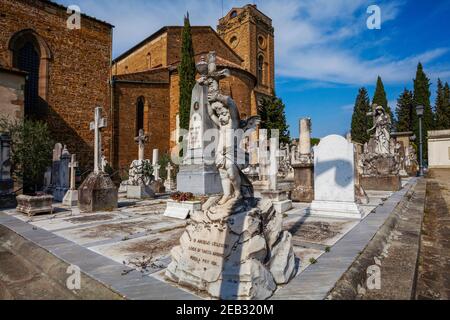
78, 71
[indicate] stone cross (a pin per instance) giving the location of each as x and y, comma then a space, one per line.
169, 169
155, 164
141, 139
96, 126
72, 165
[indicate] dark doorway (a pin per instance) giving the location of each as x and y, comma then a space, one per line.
139, 115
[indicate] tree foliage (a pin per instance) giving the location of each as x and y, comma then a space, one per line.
442, 107
422, 97
404, 111
187, 72
31, 149
360, 120
273, 116
380, 98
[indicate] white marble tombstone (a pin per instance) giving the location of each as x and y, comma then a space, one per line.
334, 179
198, 173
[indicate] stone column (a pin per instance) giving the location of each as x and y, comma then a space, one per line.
303, 166
305, 136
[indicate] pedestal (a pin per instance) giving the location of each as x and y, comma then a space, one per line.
242, 256
140, 192
32, 205
97, 193
71, 198
335, 209
279, 198
304, 183
381, 183
199, 179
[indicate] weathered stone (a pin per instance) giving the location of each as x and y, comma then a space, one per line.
140, 192
382, 183
32, 205
97, 193
304, 183
282, 266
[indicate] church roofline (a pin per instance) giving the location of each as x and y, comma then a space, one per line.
60, 6
164, 30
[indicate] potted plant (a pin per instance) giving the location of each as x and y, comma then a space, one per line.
31, 147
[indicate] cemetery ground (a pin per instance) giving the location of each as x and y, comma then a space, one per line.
123, 253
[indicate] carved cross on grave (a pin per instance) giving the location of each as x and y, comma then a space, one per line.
96, 126
169, 169
72, 165
141, 139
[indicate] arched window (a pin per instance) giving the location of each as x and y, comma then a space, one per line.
30, 53
140, 114
260, 70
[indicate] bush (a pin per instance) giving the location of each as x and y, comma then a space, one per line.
31, 150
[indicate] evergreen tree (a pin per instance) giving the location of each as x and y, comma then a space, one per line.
404, 111
273, 116
442, 120
380, 98
187, 72
422, 97
360, 120
447, 99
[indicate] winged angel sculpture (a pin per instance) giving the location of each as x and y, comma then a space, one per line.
225, 114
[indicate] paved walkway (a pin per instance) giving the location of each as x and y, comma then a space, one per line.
433, 280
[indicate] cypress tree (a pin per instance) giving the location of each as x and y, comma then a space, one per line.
404, 111
360, 120
441, 113
186, 72
380, 98
273, 116
422, 97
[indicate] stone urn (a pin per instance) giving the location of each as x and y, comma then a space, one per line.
32, 205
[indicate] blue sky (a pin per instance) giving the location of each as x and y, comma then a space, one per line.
324, 50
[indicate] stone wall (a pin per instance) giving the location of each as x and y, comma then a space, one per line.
77, 74
11, 94
156, 120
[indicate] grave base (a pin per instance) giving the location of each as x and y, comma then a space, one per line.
97, 193
32, 205
71, 198
304, 183
280, 200
381, 183
335, 209
140, 192
199, 179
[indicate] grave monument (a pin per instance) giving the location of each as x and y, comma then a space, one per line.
334, 179
234, 247
139, 175
7, 198
302, 162
97, 192
380, 165
71, 197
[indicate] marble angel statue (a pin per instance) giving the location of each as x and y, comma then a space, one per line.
225, 114
382, 127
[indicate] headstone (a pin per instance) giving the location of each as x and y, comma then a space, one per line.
97, 192
71, 197
7, 198
138, 186
303, 166
62, 182
197, 173
169, 183
56, 160
279, 197
334, 179
157, 184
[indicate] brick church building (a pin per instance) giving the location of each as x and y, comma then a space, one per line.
70, 71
